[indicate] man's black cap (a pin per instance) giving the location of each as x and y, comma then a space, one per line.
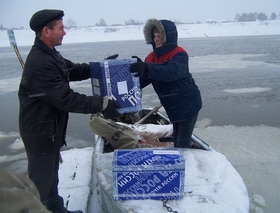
43, 17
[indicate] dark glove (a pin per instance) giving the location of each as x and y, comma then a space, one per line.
139, 68
112, 56
111, 111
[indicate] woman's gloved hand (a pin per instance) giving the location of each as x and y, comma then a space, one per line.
139, 68
112, 56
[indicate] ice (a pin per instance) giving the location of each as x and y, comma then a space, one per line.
240, 142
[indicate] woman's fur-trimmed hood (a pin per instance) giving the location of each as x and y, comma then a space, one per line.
151, 24
168, 34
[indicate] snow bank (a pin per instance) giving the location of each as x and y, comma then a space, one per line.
120, 33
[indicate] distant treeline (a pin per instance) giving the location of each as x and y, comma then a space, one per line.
254, 17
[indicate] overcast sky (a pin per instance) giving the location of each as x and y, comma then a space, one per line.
17, 13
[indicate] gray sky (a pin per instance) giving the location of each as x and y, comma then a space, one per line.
17, 13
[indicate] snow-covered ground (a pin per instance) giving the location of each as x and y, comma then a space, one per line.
118, 33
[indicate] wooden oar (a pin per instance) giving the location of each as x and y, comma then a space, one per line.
13, 44
148, 115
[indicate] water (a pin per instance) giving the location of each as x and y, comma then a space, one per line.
217, 64
264, 48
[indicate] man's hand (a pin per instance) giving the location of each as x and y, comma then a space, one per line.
139, 68
110, 112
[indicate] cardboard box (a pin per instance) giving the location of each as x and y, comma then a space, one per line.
148, 174
112, 78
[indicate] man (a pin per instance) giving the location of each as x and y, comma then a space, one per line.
167, 69
46, 99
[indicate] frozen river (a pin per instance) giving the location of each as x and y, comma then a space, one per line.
239, 82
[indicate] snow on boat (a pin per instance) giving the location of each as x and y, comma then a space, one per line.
211, 184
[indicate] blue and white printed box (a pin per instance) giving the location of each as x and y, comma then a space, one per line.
112, 78
148, 174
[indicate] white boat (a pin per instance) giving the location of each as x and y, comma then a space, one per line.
211, 184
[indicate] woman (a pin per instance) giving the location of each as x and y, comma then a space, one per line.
167, 69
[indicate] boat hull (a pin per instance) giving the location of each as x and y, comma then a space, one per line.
211, 184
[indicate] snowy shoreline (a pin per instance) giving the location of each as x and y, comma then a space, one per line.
135, 32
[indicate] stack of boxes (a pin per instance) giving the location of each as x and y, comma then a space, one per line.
137, 173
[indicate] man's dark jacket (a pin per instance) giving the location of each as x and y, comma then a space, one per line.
46, 98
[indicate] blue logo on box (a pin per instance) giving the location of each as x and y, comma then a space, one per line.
148, 174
